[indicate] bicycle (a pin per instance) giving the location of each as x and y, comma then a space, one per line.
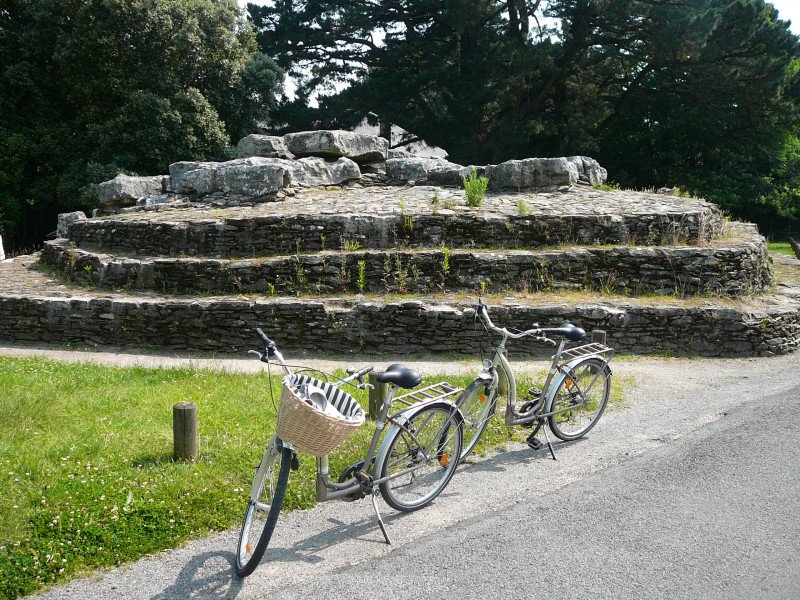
571, 401
414, 463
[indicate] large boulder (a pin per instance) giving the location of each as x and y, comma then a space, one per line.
589, 170
124, 190
359, 147
315, 171
428, 170
537, 174
67, 219
267, 146
179, 169
253, 177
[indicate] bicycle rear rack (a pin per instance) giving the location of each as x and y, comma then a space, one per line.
589, 350
437, 391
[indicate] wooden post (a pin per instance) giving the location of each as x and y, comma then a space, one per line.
184, 431
377, 395
385, 128
599, 337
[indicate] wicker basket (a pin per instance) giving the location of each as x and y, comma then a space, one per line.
307, 428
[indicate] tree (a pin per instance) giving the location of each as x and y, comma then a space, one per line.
91, 88
702, 94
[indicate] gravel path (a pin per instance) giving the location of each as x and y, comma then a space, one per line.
668, 399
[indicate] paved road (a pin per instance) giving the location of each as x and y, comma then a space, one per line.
714, 515
687, 490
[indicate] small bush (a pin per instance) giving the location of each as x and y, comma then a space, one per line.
475, 187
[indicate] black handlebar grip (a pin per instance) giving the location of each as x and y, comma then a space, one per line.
364, 371
268, 343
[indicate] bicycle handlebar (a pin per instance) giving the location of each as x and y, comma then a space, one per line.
567, 330
269, 345
271, 350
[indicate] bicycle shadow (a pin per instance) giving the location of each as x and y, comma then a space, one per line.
206, 576
364, 530
501, 459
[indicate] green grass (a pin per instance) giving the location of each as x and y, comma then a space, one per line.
86, 471
781, 248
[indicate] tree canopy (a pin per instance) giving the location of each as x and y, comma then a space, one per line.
703, 94
92, 88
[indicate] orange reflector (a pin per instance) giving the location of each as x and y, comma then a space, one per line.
249, 548
482, 397
443, 460
569, 383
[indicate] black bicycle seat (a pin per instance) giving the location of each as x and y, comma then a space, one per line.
572, 333
400, 376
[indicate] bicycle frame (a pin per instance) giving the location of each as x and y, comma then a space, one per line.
499, 371
363, 483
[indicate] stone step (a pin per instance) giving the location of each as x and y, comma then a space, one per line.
391, 217
34, 307
732, 266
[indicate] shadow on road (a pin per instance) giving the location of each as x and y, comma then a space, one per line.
206, 576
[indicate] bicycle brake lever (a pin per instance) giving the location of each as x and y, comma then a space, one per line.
365, 386
257, 353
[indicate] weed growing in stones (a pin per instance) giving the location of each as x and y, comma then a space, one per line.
362, 277
475, 188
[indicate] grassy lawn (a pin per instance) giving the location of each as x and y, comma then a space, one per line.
86, 471
781, 248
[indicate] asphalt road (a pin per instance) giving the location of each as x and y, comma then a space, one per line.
714, 515
689, 489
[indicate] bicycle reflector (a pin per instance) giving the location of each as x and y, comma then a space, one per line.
482, 397
443, 460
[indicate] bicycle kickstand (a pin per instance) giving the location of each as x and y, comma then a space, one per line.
535, 443
375, 493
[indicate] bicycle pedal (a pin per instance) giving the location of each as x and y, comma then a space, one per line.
534, 443
535, 392
295, 463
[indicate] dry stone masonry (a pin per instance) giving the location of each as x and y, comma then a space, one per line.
320, 237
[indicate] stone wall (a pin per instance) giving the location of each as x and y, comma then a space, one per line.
267, 234
400, 327
740, 265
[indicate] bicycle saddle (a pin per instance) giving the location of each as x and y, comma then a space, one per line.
568, 330
400, 376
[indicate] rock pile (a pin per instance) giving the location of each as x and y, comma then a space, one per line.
270, 168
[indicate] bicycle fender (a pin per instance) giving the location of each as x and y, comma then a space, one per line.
403, 418
548, 404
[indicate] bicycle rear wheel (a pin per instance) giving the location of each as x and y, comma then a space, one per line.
263, 508
421, 457
477, 408
582, 396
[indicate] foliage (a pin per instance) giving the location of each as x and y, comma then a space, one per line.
475, 188
91, 89
703, 95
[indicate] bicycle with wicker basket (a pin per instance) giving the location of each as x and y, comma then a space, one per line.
412, 465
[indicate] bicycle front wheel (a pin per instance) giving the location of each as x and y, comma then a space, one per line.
263, 508
580, 399
421, 457
477, 408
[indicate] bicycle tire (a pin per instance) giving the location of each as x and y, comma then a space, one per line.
586, 388
433, 430
248, 556
476, 412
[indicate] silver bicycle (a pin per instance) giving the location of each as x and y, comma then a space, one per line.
571, 401
412, 465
